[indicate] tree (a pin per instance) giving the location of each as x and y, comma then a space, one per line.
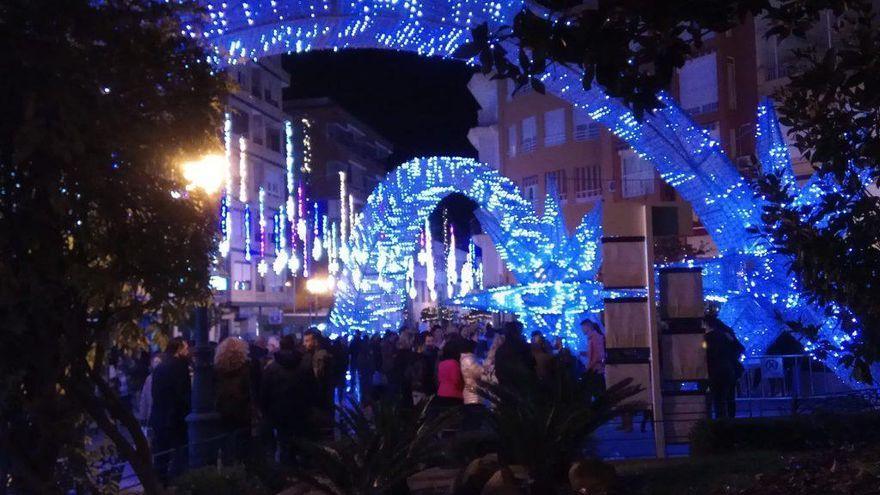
832, 109
100, 102
632, 49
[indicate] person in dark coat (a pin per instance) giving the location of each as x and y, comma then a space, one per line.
513, 359
723, 351
286, 396
318, 358
233, 397
171, 391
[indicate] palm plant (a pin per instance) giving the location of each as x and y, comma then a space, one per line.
545, 425
377, 449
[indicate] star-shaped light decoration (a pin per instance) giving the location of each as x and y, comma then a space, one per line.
561, 289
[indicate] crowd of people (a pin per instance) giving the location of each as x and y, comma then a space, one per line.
271, 391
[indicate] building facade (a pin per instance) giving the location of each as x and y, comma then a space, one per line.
253, 296
539, 139
341, 148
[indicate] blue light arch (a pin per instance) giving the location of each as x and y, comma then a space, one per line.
748, 274
371, 292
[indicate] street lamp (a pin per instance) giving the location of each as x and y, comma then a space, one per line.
316, 286
208, 174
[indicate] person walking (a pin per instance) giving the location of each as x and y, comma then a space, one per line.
450, 382
171, 391
514, 362
318, 359
233, 400
595, 354
542, 356
489, 364
723, 351
421, 373
286, 397
472, 374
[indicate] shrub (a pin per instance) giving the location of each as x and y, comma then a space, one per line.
211, 480
784, 433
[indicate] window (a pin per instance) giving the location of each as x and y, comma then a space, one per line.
664, 220
529, 134
257, 135
585, 129
530, 188
588, 181
556, 178
241, 276
511, 140
257, 83
273, 139
240, 123
698, 85
241, 76
637, 176
554, 127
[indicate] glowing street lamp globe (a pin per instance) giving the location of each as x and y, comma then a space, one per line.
207, 173
319, 285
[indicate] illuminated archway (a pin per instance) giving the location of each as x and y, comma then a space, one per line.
371, 292
749, 273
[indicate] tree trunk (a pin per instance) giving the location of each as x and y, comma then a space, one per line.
107, 410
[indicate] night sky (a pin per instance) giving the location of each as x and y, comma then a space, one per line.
422, 105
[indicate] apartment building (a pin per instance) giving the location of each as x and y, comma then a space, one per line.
253, 298
337, 143
537, 139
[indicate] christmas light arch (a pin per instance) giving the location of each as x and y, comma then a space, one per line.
372, 291
748, 274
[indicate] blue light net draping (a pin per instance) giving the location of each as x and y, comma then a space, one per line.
755, 282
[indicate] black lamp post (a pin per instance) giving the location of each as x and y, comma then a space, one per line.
203, 421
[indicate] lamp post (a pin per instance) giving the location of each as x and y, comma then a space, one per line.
316, 286
208, 175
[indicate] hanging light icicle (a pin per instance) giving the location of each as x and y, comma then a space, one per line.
226, 208
451, 268
281, 256
467, 271
243, 194
317, 248
242, 170
430, 273
343, 217
262, 266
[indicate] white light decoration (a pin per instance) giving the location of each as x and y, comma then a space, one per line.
467, 270
343, 216
281, 257
307, 146
430, 269
242, 170
411, 277
247, 231
226, 205
317, 244
262, 266
749, 274
451, 265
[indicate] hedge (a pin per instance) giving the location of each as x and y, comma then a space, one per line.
784, 433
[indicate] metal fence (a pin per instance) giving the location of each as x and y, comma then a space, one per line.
777, 385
